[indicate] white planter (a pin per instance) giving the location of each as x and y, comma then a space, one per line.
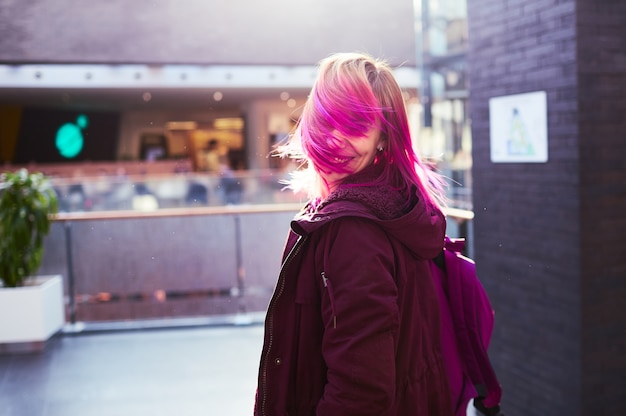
31, 314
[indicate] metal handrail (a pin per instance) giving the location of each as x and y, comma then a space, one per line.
175, 212
454, 213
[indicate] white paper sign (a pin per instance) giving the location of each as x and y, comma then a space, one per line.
519, 128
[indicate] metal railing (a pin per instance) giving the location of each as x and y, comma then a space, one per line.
243, 281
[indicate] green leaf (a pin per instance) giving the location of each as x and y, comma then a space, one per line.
27, 200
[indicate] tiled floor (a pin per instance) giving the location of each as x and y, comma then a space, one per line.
183, 372
189, 371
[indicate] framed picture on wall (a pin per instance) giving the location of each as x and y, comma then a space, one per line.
519, 128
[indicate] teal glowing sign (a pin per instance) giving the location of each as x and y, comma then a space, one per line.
69, 140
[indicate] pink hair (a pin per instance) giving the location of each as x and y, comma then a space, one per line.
352, 94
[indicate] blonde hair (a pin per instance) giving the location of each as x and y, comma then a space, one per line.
354, 92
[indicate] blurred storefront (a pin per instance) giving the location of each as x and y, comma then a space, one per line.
442, 44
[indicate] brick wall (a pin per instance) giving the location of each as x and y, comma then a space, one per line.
601, 29
526, 232
543, 230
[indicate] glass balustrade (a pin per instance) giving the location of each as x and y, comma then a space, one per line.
159, 191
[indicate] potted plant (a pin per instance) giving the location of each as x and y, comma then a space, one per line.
31, 306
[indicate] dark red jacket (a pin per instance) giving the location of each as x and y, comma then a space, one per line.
353, 327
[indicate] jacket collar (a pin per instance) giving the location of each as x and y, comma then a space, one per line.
413, 222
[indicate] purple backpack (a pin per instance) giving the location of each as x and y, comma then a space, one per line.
467, 325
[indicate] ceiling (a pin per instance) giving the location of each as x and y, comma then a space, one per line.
148, 99
164, 87
144, 87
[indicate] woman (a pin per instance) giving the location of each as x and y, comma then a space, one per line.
353, 325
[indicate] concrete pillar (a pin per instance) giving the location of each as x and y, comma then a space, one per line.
256, 135
549, 235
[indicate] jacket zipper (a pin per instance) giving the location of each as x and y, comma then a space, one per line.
331, 297
270, 317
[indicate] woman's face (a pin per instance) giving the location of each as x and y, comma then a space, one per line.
355, 154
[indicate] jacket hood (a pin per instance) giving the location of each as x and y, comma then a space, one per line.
416, 224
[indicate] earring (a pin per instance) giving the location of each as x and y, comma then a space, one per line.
380, 149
